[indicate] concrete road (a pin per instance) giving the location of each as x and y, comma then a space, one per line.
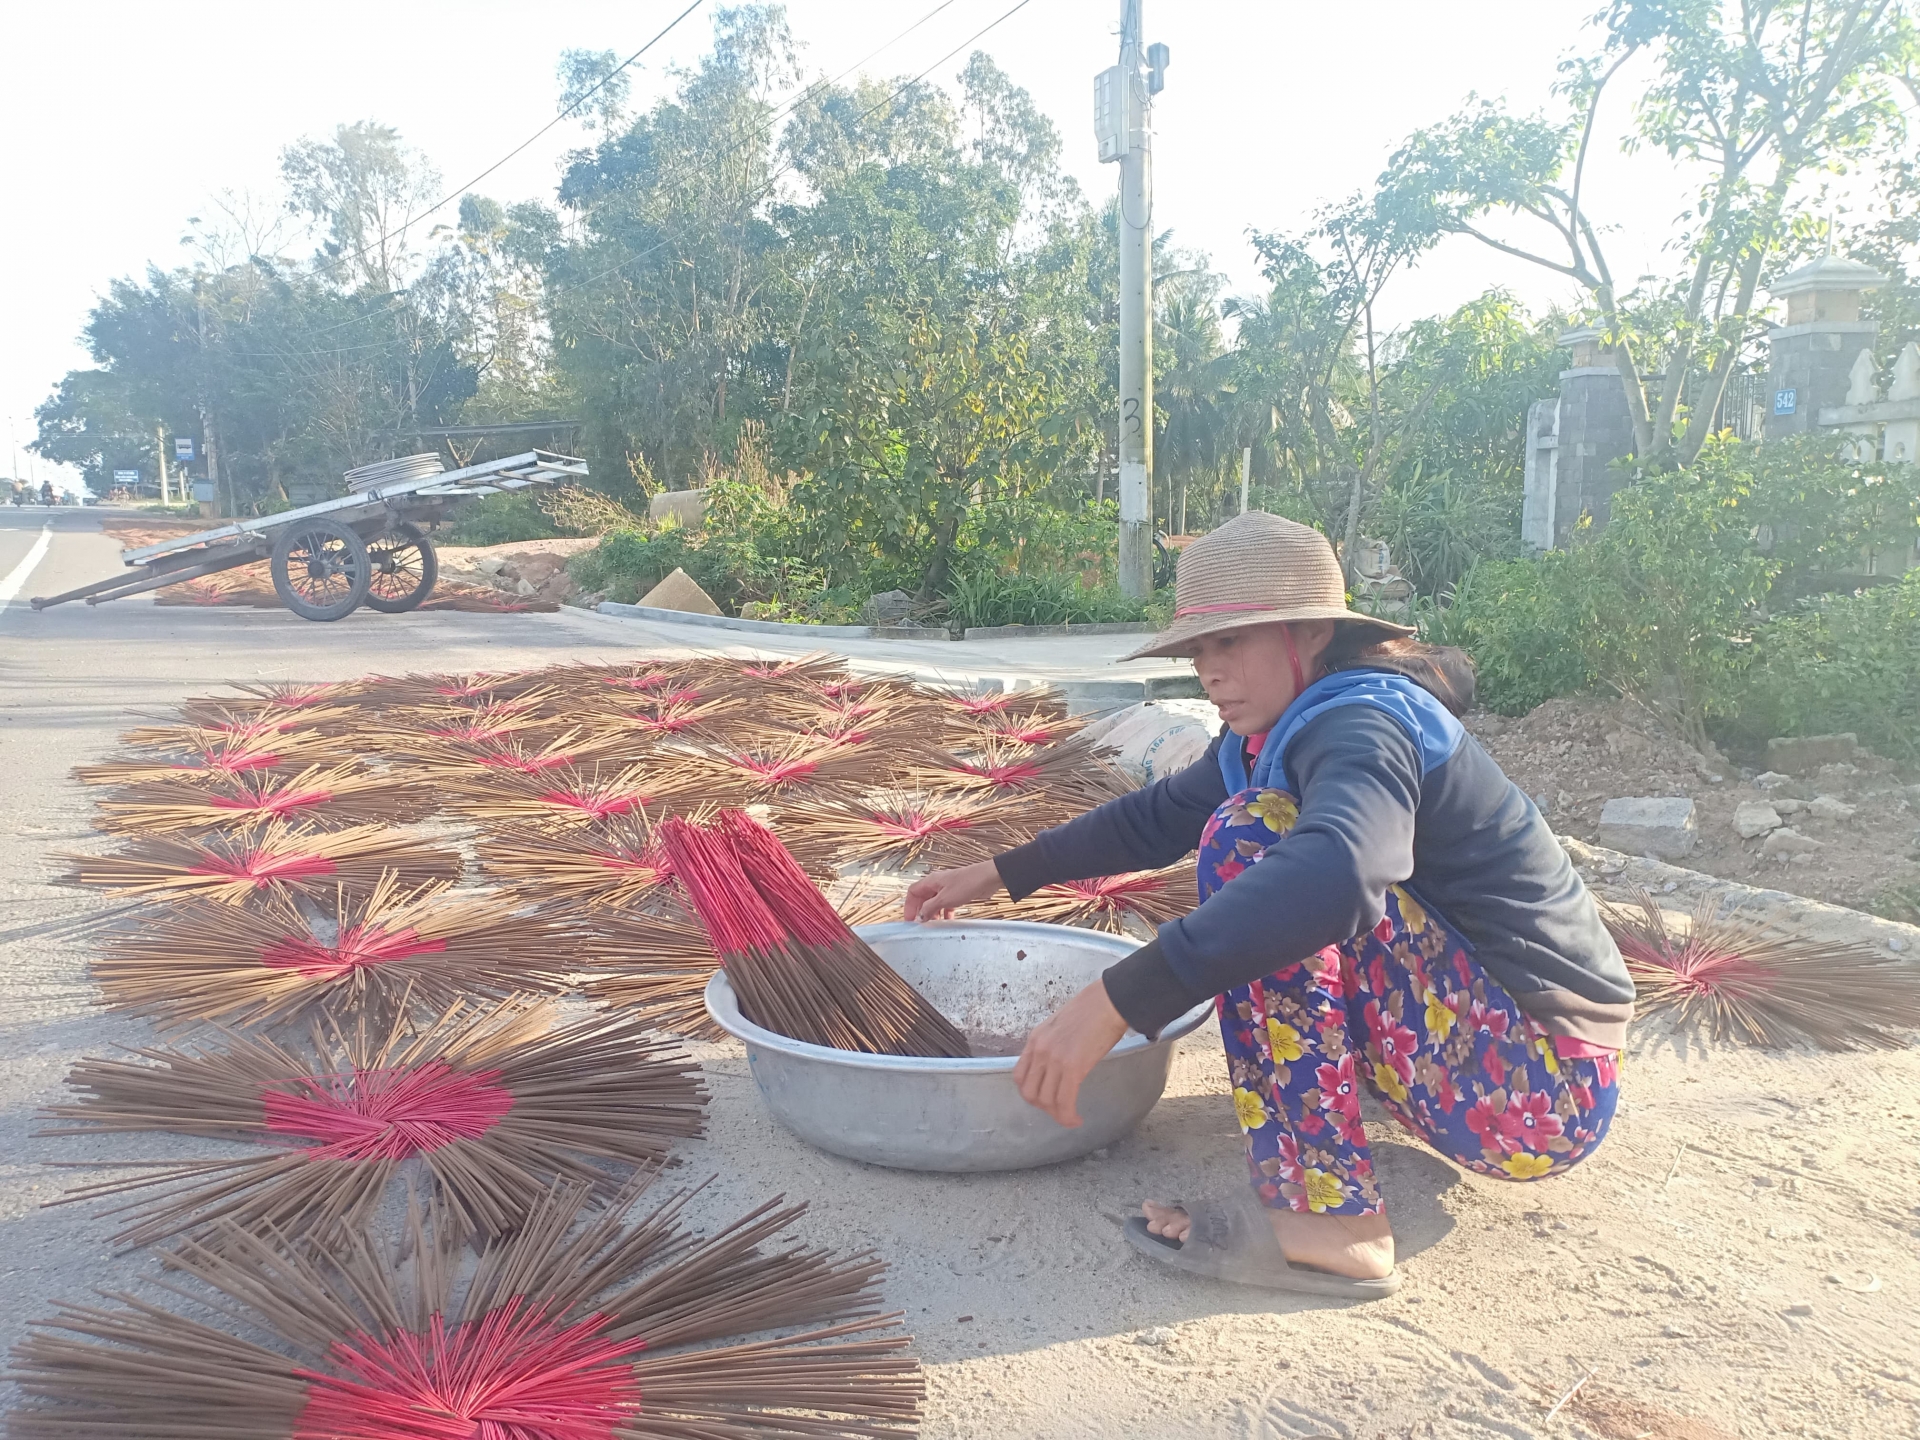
74, 677
1707, 1268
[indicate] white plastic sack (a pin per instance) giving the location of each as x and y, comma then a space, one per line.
1156, 738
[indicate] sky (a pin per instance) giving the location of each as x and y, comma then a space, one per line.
120, 121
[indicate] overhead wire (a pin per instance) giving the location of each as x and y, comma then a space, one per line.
781, 112
866, 114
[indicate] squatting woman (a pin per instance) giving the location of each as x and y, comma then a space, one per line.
1379, 906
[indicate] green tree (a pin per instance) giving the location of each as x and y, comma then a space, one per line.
1760, 99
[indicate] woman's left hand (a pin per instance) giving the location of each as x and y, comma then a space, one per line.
1063, 1050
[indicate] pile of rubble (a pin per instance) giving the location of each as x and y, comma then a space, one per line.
1842, 823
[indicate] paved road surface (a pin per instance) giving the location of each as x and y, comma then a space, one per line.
72, 678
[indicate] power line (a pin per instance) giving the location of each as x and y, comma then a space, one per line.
605, 80
773, 179
781, 112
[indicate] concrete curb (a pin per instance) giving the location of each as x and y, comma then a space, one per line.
1056, 632
1611, 875
729, 622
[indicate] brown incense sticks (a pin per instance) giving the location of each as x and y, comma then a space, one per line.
493, 1103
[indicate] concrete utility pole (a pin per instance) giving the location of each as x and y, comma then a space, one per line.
160, 450
1246, 474
1122, 122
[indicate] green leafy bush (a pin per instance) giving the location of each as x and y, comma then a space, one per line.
1522, 621
986, 599
1845, 662
499, 520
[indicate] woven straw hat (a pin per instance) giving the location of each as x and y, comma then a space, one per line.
1255, 570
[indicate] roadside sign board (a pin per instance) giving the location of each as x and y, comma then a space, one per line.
203, 490
182, 447
128, 478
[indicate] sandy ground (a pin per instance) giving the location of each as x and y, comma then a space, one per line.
1741, 1258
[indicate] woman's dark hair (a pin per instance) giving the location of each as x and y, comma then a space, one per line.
1442, 670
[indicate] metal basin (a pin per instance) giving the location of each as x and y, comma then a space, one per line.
991, 977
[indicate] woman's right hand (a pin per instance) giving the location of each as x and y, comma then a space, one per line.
936, 896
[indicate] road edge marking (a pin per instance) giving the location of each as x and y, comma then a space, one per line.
17, 577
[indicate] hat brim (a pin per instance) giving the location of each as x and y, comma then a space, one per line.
1178, 639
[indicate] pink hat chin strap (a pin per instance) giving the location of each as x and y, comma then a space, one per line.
1293, 659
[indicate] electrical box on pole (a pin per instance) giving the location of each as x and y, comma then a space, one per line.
1122, 117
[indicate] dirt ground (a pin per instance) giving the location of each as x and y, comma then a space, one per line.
1573, 756
1741, 1258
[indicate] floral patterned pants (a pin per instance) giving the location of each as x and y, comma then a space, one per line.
1406, 1010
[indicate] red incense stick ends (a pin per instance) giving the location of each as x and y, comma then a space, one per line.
797, 966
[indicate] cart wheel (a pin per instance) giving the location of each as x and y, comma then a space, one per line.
402, 567
320, 569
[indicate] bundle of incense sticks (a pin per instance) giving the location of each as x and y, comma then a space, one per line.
614, 861
221, 758
329, 797
793, 765
1152, 897
233, 869
569, 795
655, 967
1729, 973
777, 987
1058, 781
799, 968
431, 759
276, 696
899, 829
215, 725
443, 690
495, 1104
585, 1325
344, 955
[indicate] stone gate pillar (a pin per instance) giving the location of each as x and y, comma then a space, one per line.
1810, 359
1595, 428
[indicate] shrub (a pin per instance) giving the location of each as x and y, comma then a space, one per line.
985, 599
1846, 662
1522, 621
499, 520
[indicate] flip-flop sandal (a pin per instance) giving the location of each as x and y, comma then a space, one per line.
1234, 1242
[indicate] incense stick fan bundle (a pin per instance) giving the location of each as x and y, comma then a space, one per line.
879, 706
1152, 897
329, 798
570, 795
771, 771
642, 722
215, 726
656, 968
430, 760
230, 870
1038, 703
494, 1105
1743, 983
277, 697
566, 1331
369, 955
221, 759
614, 861
936, 830
1058, 782
479, 688
408, 731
